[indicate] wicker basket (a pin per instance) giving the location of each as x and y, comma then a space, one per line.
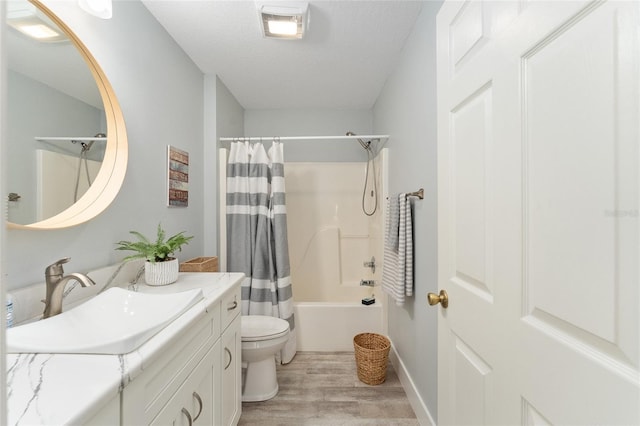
372, 355
200, 264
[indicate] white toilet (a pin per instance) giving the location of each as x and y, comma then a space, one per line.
262, 338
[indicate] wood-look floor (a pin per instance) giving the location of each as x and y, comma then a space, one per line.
319, 388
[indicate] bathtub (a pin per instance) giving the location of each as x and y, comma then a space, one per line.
330, 326
330, 238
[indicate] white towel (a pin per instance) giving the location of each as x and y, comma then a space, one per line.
397, 273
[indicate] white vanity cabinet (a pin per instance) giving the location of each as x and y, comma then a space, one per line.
231, 350
196, 379
188, 373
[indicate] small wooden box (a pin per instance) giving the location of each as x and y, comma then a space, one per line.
200, 264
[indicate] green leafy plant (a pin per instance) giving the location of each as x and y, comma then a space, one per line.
154, 251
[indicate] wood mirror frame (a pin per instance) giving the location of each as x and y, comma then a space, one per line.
114, 165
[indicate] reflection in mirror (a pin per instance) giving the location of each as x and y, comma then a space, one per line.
51, 96
66, 138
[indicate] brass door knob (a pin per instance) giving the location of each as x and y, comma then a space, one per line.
442, 298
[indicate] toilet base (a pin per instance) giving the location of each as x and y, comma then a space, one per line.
260, 383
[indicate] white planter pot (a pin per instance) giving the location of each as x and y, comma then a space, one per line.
161, 273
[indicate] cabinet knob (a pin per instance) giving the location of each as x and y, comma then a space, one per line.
186, 413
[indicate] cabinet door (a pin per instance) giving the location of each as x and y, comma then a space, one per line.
193, 403
231, 373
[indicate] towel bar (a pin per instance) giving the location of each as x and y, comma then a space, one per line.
419, 193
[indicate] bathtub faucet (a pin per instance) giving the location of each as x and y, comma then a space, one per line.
369, 283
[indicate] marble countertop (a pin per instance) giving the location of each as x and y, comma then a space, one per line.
47, 389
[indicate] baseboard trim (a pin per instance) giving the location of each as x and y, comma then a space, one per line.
418, 405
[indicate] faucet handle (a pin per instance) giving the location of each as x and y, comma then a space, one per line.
56, 268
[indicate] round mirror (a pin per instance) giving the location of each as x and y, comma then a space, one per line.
66, 140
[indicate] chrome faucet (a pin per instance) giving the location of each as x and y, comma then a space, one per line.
56, 281
371, 264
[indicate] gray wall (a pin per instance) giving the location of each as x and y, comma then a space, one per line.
223, 116
160, 91
406, 109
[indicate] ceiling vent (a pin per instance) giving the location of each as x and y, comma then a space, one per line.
26, 18
284, 20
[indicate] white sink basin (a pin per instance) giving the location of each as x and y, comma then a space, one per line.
116, 321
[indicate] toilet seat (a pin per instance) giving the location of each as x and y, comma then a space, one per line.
261, 327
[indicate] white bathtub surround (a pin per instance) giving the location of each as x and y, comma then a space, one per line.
46, 389
330, 237
57, 177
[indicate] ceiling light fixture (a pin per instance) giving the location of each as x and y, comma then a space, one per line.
284, 20
26, 18
98, 8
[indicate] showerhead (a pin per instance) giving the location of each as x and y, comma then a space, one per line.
86, 146
370, 160
365, 145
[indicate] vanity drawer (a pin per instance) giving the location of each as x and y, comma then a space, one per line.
229, 307
152, 390
181, 358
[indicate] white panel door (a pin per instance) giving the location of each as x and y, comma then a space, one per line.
538, 189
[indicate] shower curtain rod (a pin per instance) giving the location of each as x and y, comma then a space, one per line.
292, 138
69, 138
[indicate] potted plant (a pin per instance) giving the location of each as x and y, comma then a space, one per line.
161, 267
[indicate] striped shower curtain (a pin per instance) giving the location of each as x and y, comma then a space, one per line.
257, 233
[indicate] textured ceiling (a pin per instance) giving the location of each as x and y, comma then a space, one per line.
343, 61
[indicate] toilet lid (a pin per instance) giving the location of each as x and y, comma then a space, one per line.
261, 327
